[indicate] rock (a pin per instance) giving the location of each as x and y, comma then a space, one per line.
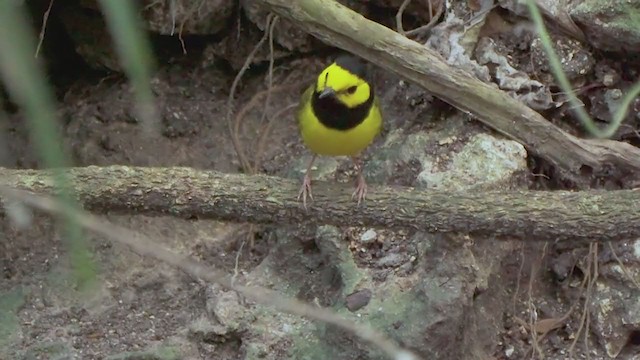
447, 39
160, 353
615, 312
204, 330
613, 99
285, 34
605, 74
391, 260
10, 304
285, 270
188, 17
225, 308
52, 350
575, 59
615, 304
236, 52
331, 244
478, 160
323, 168
368, 236
484, 160
609, 25
88, 31
358, 300
516, 83
603, 106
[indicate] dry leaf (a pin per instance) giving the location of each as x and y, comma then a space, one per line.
556, 11
495, 24
474, 5
546, 325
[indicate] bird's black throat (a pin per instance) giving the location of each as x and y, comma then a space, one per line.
336, 115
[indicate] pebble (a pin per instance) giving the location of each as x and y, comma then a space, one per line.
368, 236
391, 260
358, 300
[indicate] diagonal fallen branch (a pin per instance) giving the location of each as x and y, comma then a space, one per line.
530, 215
572, 157
145, 247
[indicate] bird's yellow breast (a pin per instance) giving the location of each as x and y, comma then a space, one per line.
323, 140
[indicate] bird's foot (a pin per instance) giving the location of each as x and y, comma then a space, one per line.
305, 190
361, 189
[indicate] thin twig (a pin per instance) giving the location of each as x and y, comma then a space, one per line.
181, 39
533, 315
590, 290
237, 263
234, 139
237, 125
251, 230
480, 14
560, 320
173, 9
186, 16
265, 131
267, 101
623, 267
518, 279
250, 105
45, 19
146, 247
424, 28
399, 27
592, 261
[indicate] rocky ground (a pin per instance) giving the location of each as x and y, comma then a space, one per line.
443, 296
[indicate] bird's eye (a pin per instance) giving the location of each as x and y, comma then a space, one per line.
352, 89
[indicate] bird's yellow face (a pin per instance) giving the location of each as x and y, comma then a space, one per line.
348, 88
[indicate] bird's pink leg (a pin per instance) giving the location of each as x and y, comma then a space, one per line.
361, 185
305, 189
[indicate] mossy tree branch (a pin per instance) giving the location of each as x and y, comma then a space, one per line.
337, 25
189, 193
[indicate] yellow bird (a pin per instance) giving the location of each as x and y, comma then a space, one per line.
339, 115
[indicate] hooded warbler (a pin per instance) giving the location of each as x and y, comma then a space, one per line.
339, 115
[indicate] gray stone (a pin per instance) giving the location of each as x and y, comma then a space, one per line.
332, 245
484, 160
224, 306
91, 38
609, 25
615, 302
285, 34
358, 300
575, 59
516, 83
368, 236
185, 17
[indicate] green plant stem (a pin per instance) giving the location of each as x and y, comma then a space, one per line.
563, 81
134, 50
26, 83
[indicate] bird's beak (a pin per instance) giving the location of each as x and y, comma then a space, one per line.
327, 92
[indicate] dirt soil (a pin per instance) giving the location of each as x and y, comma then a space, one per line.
139, 304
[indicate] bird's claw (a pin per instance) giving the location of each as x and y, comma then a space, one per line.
305, 190
360, 192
